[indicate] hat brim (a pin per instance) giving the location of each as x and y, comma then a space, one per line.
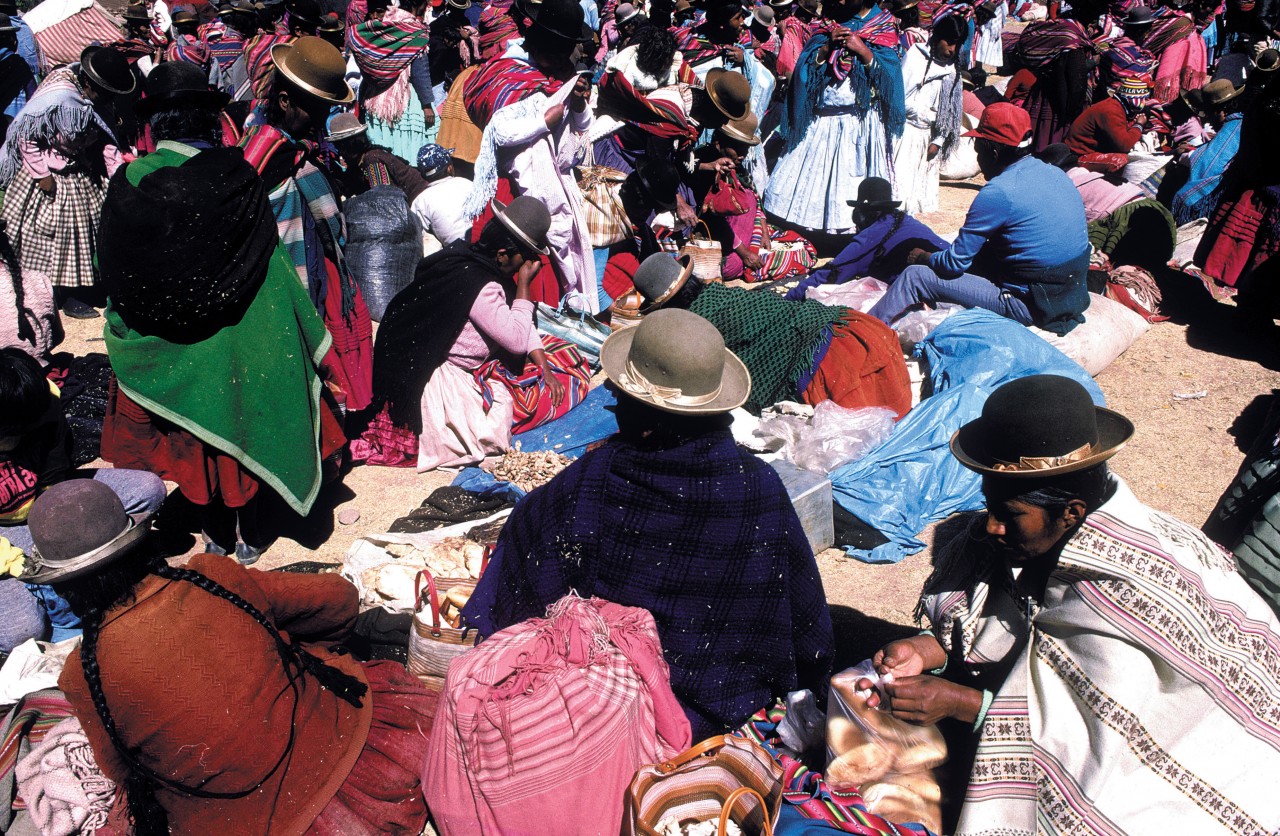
212, 99
737, 136
686, 270
1225, 99
709, 86
735, 381
112, 550
88, 70
874, 204
277, 60
1114, 431
500, 214
587, 35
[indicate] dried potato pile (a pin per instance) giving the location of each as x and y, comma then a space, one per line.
452, 557
889, 761
528, 470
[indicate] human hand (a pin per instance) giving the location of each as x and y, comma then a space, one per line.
724, 165
918, 255
1141, 119
750, 258
581, 95
859, 48
933, 151
928, 699
554, 387
527, 272
904, 657
685, 213
734, 54
428, 117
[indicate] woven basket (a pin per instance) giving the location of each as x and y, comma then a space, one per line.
433, 644
705, 253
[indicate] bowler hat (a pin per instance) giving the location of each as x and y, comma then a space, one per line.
1220, 91
6, 24
344, 126
107, 69
180, 82
730, 92
1039, 426
526, 218
659, 277
676, 361
77, 527
240, 7
185, 15
875, 193
316, 66
331, 24
742, 130
1268, 61
763, 15
624, 12
137, 12
563, 19
1139, 16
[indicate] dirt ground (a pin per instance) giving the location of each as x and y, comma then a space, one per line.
1184, 454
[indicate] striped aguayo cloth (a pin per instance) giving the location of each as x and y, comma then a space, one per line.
63, 28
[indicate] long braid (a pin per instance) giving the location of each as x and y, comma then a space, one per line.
877, 254
149, 817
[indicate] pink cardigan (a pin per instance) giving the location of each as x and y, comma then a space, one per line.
492, 324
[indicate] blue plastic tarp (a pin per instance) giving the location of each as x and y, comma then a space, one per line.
486, 484
588, 422
912, 479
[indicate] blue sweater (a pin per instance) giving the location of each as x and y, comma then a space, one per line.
879, 250
1028, 218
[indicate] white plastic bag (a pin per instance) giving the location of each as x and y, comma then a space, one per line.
1108, 330
859, 294
837, 436
918, 324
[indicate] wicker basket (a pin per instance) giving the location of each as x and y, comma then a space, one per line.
433, 644
706, 254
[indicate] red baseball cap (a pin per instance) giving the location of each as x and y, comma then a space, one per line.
1004, 123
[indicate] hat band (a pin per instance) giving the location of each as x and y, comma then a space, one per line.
635, 383
1026, 463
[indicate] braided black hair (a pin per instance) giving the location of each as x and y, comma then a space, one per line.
878, 253
92, 597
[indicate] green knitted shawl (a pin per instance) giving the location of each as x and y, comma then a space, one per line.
779, 340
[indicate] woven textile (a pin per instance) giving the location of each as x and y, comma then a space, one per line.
528, 389
501, 82
777, 339
547, 720
655, 115
257, 55
1045, 40
25, 727
56, 236
699, 533
1147, 656
192, 50
383, 50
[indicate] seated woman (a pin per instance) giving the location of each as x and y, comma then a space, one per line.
731, 210
1078, 636
795, 350
458, 361
670, 515
199, 699
35, 453
1124, 223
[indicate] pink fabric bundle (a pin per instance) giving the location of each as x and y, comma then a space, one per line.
548, 720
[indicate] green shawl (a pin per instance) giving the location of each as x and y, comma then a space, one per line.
251, 389
779, 340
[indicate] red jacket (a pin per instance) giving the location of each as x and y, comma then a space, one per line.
1102, 128
197, 684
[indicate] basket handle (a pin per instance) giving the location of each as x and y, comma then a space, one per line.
705, 228
742, 792
692, 753
431, 592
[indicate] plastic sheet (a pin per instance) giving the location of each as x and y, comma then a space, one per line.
918, 324
859, 294
383, 246
833, 437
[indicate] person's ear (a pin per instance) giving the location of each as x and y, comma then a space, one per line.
1074, 513
282, 98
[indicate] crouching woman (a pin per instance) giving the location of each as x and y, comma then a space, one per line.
207, 693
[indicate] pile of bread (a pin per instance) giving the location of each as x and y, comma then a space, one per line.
889, 761
394, 582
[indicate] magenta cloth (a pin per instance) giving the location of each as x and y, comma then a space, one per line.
743, 226
548, 720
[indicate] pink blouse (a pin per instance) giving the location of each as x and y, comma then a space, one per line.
492, 324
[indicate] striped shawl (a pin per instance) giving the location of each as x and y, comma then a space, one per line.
501, 82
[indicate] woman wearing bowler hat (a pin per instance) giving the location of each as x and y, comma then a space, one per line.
1091, 648
54, 166
670, 515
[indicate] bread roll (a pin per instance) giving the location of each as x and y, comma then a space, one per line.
899, 804
859, 765
458, 596
396, 583
925, 749
843, 734
923, 784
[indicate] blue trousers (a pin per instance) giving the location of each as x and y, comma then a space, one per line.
918, 284
24, 609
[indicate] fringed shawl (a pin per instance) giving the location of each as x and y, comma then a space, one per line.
383, 50
1169, 28
501, 82
192, 50
1045, 40
56, 113
879, 82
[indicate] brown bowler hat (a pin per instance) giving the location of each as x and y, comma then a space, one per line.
316, 66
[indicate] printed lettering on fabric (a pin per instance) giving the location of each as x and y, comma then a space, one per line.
17, 486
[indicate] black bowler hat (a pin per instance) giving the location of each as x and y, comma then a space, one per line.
1139, 16
78, 527
180, 82
659, 179
107, 69
562, 18
874, 193
1039, 426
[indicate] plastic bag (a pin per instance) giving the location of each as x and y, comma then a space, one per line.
383, 246
859, 294
918, 324
889, 761
837, 436
805, 726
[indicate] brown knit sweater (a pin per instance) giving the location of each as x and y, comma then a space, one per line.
197, 684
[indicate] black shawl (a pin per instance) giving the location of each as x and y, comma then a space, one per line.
422, 323
184, 252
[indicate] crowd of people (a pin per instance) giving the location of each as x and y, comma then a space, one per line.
692, 178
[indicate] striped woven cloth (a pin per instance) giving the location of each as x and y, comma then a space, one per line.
501, 82
384, 49
27, 724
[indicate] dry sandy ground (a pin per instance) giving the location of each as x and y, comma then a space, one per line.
1184, 455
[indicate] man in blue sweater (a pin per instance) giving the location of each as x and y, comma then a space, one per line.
886, 235
1025, 231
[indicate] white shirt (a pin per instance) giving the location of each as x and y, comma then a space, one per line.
438, 209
